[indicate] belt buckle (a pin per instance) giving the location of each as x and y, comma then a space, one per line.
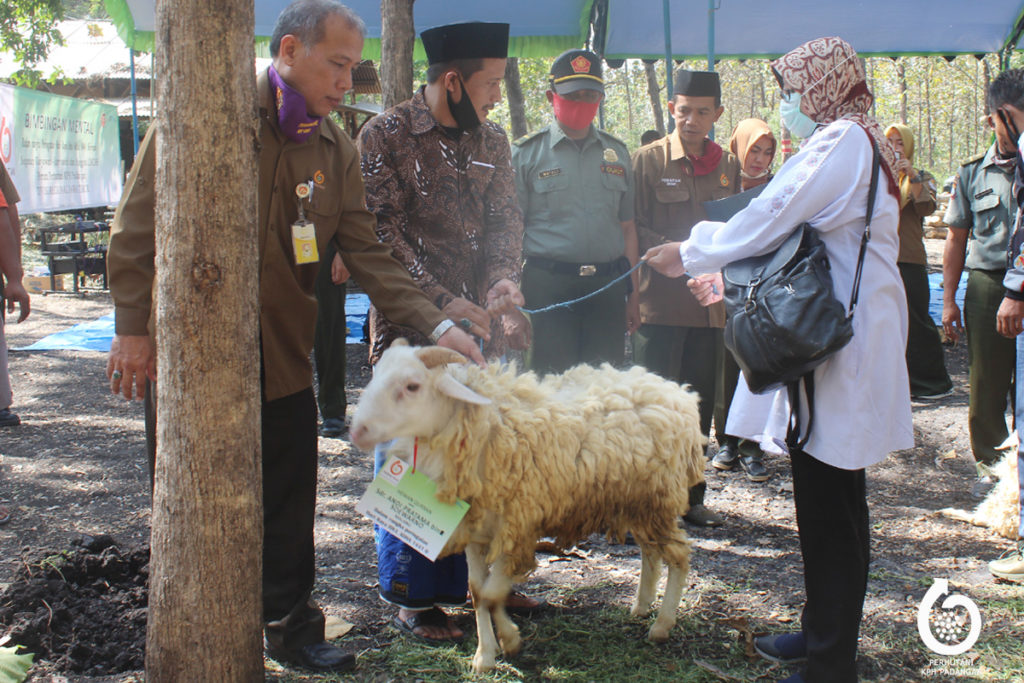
588, 270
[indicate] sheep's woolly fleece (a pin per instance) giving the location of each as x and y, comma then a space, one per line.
1000, 510
590, 450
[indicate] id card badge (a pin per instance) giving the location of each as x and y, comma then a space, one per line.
404, 502
304, 242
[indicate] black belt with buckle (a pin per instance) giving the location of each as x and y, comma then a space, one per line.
579, 269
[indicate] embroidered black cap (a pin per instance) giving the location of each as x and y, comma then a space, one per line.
469, 40
576, 70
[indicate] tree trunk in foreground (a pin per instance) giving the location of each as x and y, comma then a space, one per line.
397, 38
516, 103
654, 92
205, 613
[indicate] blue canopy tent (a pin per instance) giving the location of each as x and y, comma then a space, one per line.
679, 29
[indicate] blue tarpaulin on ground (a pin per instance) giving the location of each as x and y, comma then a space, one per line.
96, 335
935, 290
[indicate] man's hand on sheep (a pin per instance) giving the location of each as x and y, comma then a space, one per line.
706, 288
666, 259
461, 309
503, 297
457, 340
518, 330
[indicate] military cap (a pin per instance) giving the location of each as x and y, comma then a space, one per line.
697, 84
469, 40
576, 70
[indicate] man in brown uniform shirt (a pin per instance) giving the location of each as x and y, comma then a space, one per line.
678, 338
315, 45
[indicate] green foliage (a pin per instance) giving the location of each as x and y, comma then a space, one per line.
945, 103
14, 667
28, 28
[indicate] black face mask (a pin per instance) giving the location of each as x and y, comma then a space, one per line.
463, 111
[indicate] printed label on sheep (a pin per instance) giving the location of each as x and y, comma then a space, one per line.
404, 503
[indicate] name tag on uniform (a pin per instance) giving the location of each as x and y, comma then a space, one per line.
670, 182
304, 242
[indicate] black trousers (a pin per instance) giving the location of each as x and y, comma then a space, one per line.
329, 340
289, 448
832, 518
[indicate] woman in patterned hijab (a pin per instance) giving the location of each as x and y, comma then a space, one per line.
861, 395
829, 76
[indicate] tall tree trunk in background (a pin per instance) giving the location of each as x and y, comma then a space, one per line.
205, 615
516, 103
928, 119
901, 74
397, 38
654, 92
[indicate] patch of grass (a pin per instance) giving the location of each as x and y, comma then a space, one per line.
582, 639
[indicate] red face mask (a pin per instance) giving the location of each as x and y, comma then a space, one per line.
574, 114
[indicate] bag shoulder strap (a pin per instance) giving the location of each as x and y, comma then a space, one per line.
866, 237
794, 438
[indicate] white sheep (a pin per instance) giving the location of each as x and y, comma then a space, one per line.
565, 456
999, 510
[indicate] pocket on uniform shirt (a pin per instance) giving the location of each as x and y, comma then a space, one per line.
550, 189
671, 194
324, 216
986, 210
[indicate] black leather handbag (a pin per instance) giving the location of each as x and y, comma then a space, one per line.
782, 316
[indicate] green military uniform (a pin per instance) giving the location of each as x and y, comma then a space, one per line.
981, 203
575, 194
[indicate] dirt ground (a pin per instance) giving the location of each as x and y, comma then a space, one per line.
76, 466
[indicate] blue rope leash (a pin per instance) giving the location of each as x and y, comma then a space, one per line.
567, 304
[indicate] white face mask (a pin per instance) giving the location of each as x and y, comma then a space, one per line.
798, 123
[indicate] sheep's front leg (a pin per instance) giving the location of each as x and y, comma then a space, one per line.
496, 591
487, 646
650, 572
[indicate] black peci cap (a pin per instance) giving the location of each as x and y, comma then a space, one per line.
469, 40
576, 70
697, 84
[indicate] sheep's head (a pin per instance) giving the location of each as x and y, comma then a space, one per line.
411, 394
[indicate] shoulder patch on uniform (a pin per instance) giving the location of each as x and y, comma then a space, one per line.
975, 159
526, 138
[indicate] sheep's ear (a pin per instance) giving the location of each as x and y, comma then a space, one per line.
450, 386
432, 356
401, 341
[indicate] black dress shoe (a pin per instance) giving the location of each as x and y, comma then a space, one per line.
9, 418
320, 656
726, 457
754, 468
333, 427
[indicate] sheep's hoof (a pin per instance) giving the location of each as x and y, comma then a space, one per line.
638, 610
483, 663
658, 634
512, 644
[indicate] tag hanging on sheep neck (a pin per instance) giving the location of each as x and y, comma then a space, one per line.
404, 502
